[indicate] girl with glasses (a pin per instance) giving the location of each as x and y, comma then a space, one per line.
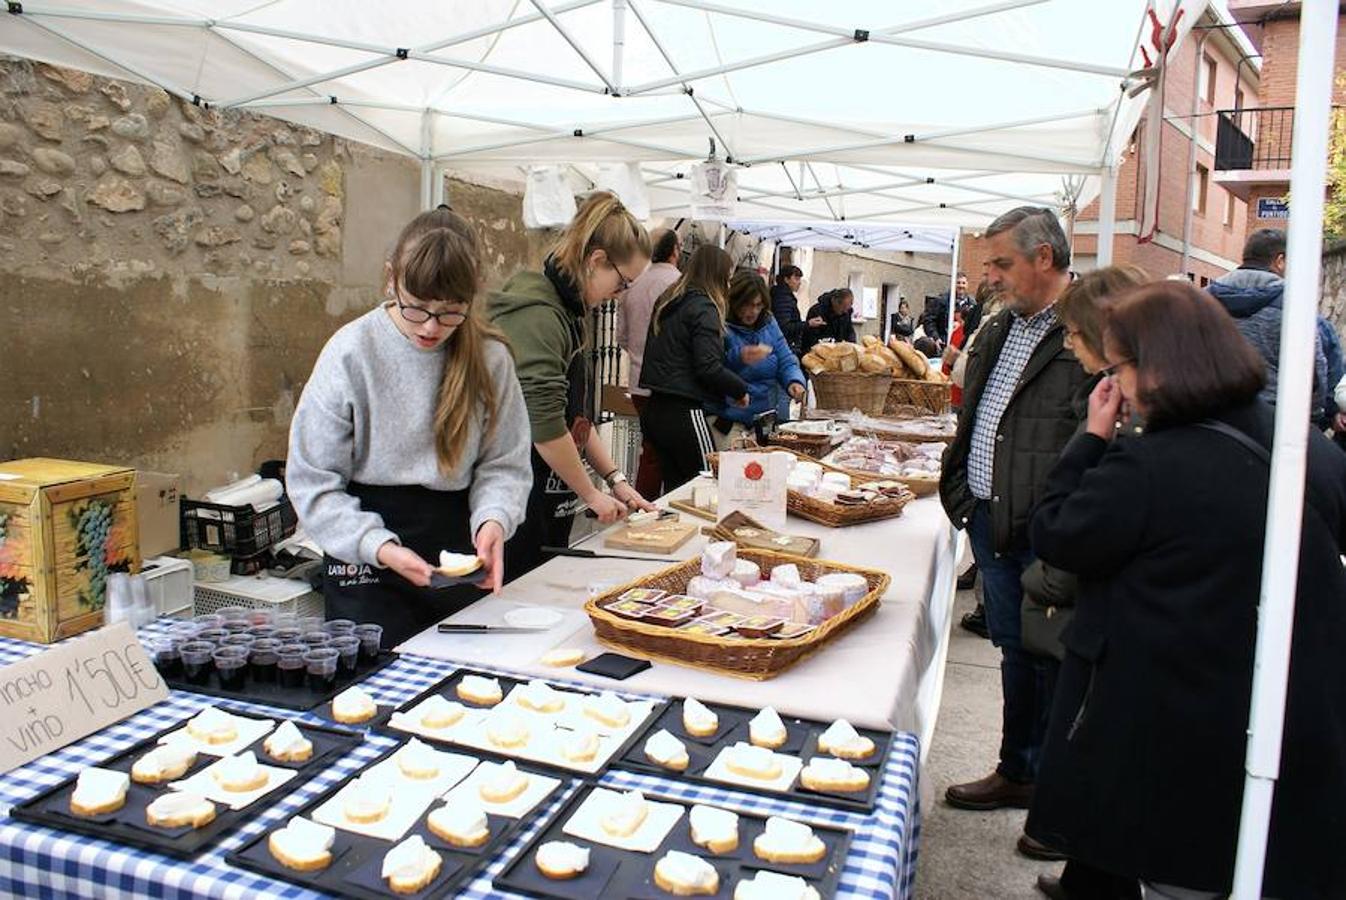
411, 438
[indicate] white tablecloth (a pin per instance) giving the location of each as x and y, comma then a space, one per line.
884, 673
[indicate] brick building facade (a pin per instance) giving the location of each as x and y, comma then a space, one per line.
1273, 28
1211, 64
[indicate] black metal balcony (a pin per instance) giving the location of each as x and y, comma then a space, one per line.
1254, 138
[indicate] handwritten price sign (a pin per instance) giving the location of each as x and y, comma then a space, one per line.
72, 690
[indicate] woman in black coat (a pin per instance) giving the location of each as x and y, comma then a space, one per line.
685, 369
1142, 772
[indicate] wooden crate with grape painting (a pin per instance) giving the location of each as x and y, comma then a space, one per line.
64, 527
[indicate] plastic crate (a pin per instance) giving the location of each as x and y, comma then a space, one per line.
280, 595
236, 530
169, 581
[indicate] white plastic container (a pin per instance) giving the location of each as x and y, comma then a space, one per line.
168, 580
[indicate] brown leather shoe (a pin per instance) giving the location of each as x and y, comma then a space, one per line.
1051, 886
992, 792
1038, 850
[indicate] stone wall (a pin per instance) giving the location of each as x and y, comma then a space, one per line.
168, 274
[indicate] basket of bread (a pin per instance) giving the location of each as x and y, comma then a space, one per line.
874, 377
748, 613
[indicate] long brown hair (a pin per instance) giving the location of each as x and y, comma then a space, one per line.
708, 271
1191, 362
600, 223
1081, 303
437, 257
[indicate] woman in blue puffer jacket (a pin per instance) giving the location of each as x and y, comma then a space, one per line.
756, 350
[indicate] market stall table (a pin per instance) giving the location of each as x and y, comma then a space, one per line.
886, 672
36, 860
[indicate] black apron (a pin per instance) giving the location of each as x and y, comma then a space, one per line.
426, 521
552, 505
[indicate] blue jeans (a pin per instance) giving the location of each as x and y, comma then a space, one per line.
1026, 679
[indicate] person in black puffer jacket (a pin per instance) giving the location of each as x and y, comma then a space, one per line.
684, 368
830, 319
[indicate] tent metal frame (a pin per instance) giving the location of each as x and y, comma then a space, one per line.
708, 109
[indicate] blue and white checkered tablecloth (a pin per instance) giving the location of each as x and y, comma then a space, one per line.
39, 861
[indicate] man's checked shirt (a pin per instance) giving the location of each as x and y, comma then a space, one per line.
1024, 335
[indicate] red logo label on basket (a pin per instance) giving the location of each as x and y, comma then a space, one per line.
753, 471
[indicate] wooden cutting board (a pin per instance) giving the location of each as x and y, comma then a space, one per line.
661, 537
687, 507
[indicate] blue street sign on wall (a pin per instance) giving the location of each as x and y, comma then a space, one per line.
1272, 208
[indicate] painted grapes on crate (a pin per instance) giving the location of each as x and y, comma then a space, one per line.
12, 585
97, 546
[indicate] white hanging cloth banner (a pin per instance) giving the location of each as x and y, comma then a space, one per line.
628, 184
714, 191
547, 200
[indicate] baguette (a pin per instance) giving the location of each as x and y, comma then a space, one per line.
912, 360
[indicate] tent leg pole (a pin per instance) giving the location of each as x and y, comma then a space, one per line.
1107, 215
1285, 503
427, 161
953, 280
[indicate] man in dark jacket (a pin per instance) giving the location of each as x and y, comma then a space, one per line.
935, 316
1254, 294
830, 319
785, 305
1016, 417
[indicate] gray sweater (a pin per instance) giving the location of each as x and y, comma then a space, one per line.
367, 416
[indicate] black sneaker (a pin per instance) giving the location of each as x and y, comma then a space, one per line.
975, 622
968, 578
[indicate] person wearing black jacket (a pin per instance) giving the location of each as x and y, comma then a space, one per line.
1016, 417
684, 368
785, 306
1142, 771
830, 319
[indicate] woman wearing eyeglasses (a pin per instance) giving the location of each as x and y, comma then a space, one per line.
544, 315
411, 438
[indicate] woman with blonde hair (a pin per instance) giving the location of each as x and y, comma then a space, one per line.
408, 438
545, 315
685, 369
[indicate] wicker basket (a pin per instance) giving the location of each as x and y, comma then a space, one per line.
864, 391
892, 427
834, 515
926, 396
754, 658
921, 485
814, 446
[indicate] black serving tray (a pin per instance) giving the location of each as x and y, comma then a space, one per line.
802, 741
627, 873
127, 825
447, 687
302, 698
357, 859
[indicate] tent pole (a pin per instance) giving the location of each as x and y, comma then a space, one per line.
953, 280
618, 42
427, 160
1107, 215
1285, 503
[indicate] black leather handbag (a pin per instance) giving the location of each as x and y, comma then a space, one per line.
1048, 606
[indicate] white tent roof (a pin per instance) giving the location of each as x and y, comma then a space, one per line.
940, 112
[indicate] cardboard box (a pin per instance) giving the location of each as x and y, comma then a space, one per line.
64, 526
158, 513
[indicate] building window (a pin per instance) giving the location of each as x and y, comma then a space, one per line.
1229, 210
1207, 85
1200, 185
1238, 98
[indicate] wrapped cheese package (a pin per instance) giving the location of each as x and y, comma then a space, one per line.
717, 561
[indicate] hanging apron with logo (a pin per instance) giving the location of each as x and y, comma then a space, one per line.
426, 521
552, 505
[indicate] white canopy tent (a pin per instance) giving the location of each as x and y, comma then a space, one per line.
942, 114
938, 113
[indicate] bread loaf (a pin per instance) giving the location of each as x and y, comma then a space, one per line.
875, 364
814, 363
870, 341
912, 359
